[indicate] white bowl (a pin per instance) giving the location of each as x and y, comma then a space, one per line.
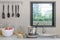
7, 32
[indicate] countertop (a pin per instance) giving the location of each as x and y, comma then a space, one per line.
15, 38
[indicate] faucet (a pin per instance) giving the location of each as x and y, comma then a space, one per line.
43, 30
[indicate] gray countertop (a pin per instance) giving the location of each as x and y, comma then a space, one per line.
15, 38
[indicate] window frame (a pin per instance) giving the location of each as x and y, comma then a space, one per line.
53, 14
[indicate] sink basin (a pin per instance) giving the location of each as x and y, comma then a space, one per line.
47, 35
42, 36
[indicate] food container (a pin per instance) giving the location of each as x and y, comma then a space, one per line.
7, 31
20, 34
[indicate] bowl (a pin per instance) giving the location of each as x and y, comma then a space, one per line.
6, 32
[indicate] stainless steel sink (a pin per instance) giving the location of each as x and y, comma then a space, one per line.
43, 36
47, 36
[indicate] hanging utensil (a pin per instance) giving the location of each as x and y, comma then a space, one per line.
12, 11
8, 14
3, 14
18, 15
15, 11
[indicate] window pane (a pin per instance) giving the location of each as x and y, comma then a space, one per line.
42, 13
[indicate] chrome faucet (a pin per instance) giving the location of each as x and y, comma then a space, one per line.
43, 30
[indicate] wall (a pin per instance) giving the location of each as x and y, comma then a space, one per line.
24, 21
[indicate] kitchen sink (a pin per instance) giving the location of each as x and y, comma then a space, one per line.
43, 36
47, 36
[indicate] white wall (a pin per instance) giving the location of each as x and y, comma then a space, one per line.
24, 19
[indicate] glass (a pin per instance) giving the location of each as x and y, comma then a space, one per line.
43, 13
